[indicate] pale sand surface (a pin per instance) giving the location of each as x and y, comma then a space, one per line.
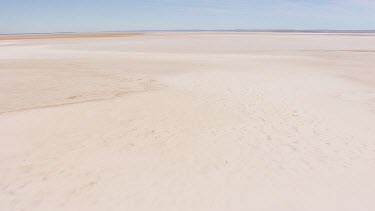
65, 36
193, 121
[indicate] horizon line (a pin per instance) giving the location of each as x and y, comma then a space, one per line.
202, 30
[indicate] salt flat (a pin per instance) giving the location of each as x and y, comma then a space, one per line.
188, 121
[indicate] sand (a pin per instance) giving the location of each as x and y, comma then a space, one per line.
65, 36
188, 121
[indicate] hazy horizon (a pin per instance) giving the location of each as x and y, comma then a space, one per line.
206, 30
42, 16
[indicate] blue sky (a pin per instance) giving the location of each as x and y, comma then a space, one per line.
23, 16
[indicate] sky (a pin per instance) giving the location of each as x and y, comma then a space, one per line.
40, 16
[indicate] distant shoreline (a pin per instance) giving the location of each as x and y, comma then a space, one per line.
104, 34
199, 30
